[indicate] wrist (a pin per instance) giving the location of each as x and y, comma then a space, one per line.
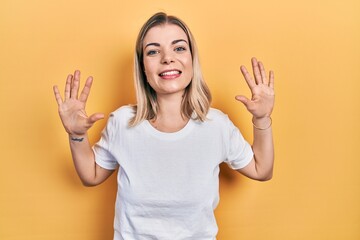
77, 138
262, 123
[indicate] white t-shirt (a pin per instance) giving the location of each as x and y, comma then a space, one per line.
168, 183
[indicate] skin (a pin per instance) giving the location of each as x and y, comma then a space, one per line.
162, 54
76, 123
166, 49
260, 106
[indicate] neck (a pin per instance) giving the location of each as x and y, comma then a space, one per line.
170, 105
169, 117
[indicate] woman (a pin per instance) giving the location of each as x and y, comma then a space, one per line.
169, 146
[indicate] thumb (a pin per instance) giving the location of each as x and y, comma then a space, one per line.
95, 117
243, 99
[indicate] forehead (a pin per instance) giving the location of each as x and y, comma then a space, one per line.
164, 33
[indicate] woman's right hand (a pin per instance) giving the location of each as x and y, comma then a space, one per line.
72, 108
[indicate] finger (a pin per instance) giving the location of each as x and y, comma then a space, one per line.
68, 86
57, 95
86, 90
95, 117
75, 85
271, 79
256, 71
263, 73
250, 82
244, 100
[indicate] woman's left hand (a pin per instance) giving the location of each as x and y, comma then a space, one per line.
261, 103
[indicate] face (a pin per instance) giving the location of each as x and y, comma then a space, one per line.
167, 59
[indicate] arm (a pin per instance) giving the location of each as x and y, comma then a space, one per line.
76, 123
83, 156
260, 106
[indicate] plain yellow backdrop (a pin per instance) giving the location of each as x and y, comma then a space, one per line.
313, 48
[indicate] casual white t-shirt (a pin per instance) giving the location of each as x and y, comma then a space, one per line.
168, 183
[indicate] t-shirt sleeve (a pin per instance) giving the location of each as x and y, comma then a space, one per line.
102, 149
239, 151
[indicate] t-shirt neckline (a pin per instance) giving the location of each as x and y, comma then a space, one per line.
168, 136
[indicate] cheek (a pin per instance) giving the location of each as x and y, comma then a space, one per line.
148, 70
190, 69
189, 63
145, 64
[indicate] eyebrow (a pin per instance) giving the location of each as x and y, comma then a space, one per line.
172, 43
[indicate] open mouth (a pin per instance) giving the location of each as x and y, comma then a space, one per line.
170, 73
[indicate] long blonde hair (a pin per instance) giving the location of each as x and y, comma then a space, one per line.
197, 97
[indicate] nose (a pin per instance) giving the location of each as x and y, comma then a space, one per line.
167, 58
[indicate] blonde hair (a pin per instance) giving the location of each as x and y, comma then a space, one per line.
197, 97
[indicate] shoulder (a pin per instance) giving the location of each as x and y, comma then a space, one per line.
215, 119
122, 115
216, 115
126, 110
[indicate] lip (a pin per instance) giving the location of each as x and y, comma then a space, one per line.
170, 74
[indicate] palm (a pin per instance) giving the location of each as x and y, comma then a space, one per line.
72, 109
72, 113
262, 89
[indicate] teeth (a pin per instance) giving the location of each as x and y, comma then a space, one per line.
170, 73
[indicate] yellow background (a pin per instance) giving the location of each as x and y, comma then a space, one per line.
313, 47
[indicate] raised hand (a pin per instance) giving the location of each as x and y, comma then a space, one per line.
72, 108
261, 103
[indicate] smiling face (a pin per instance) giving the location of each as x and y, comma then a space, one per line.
167, 59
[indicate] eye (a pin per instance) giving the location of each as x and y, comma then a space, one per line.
180, 49
152, 52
